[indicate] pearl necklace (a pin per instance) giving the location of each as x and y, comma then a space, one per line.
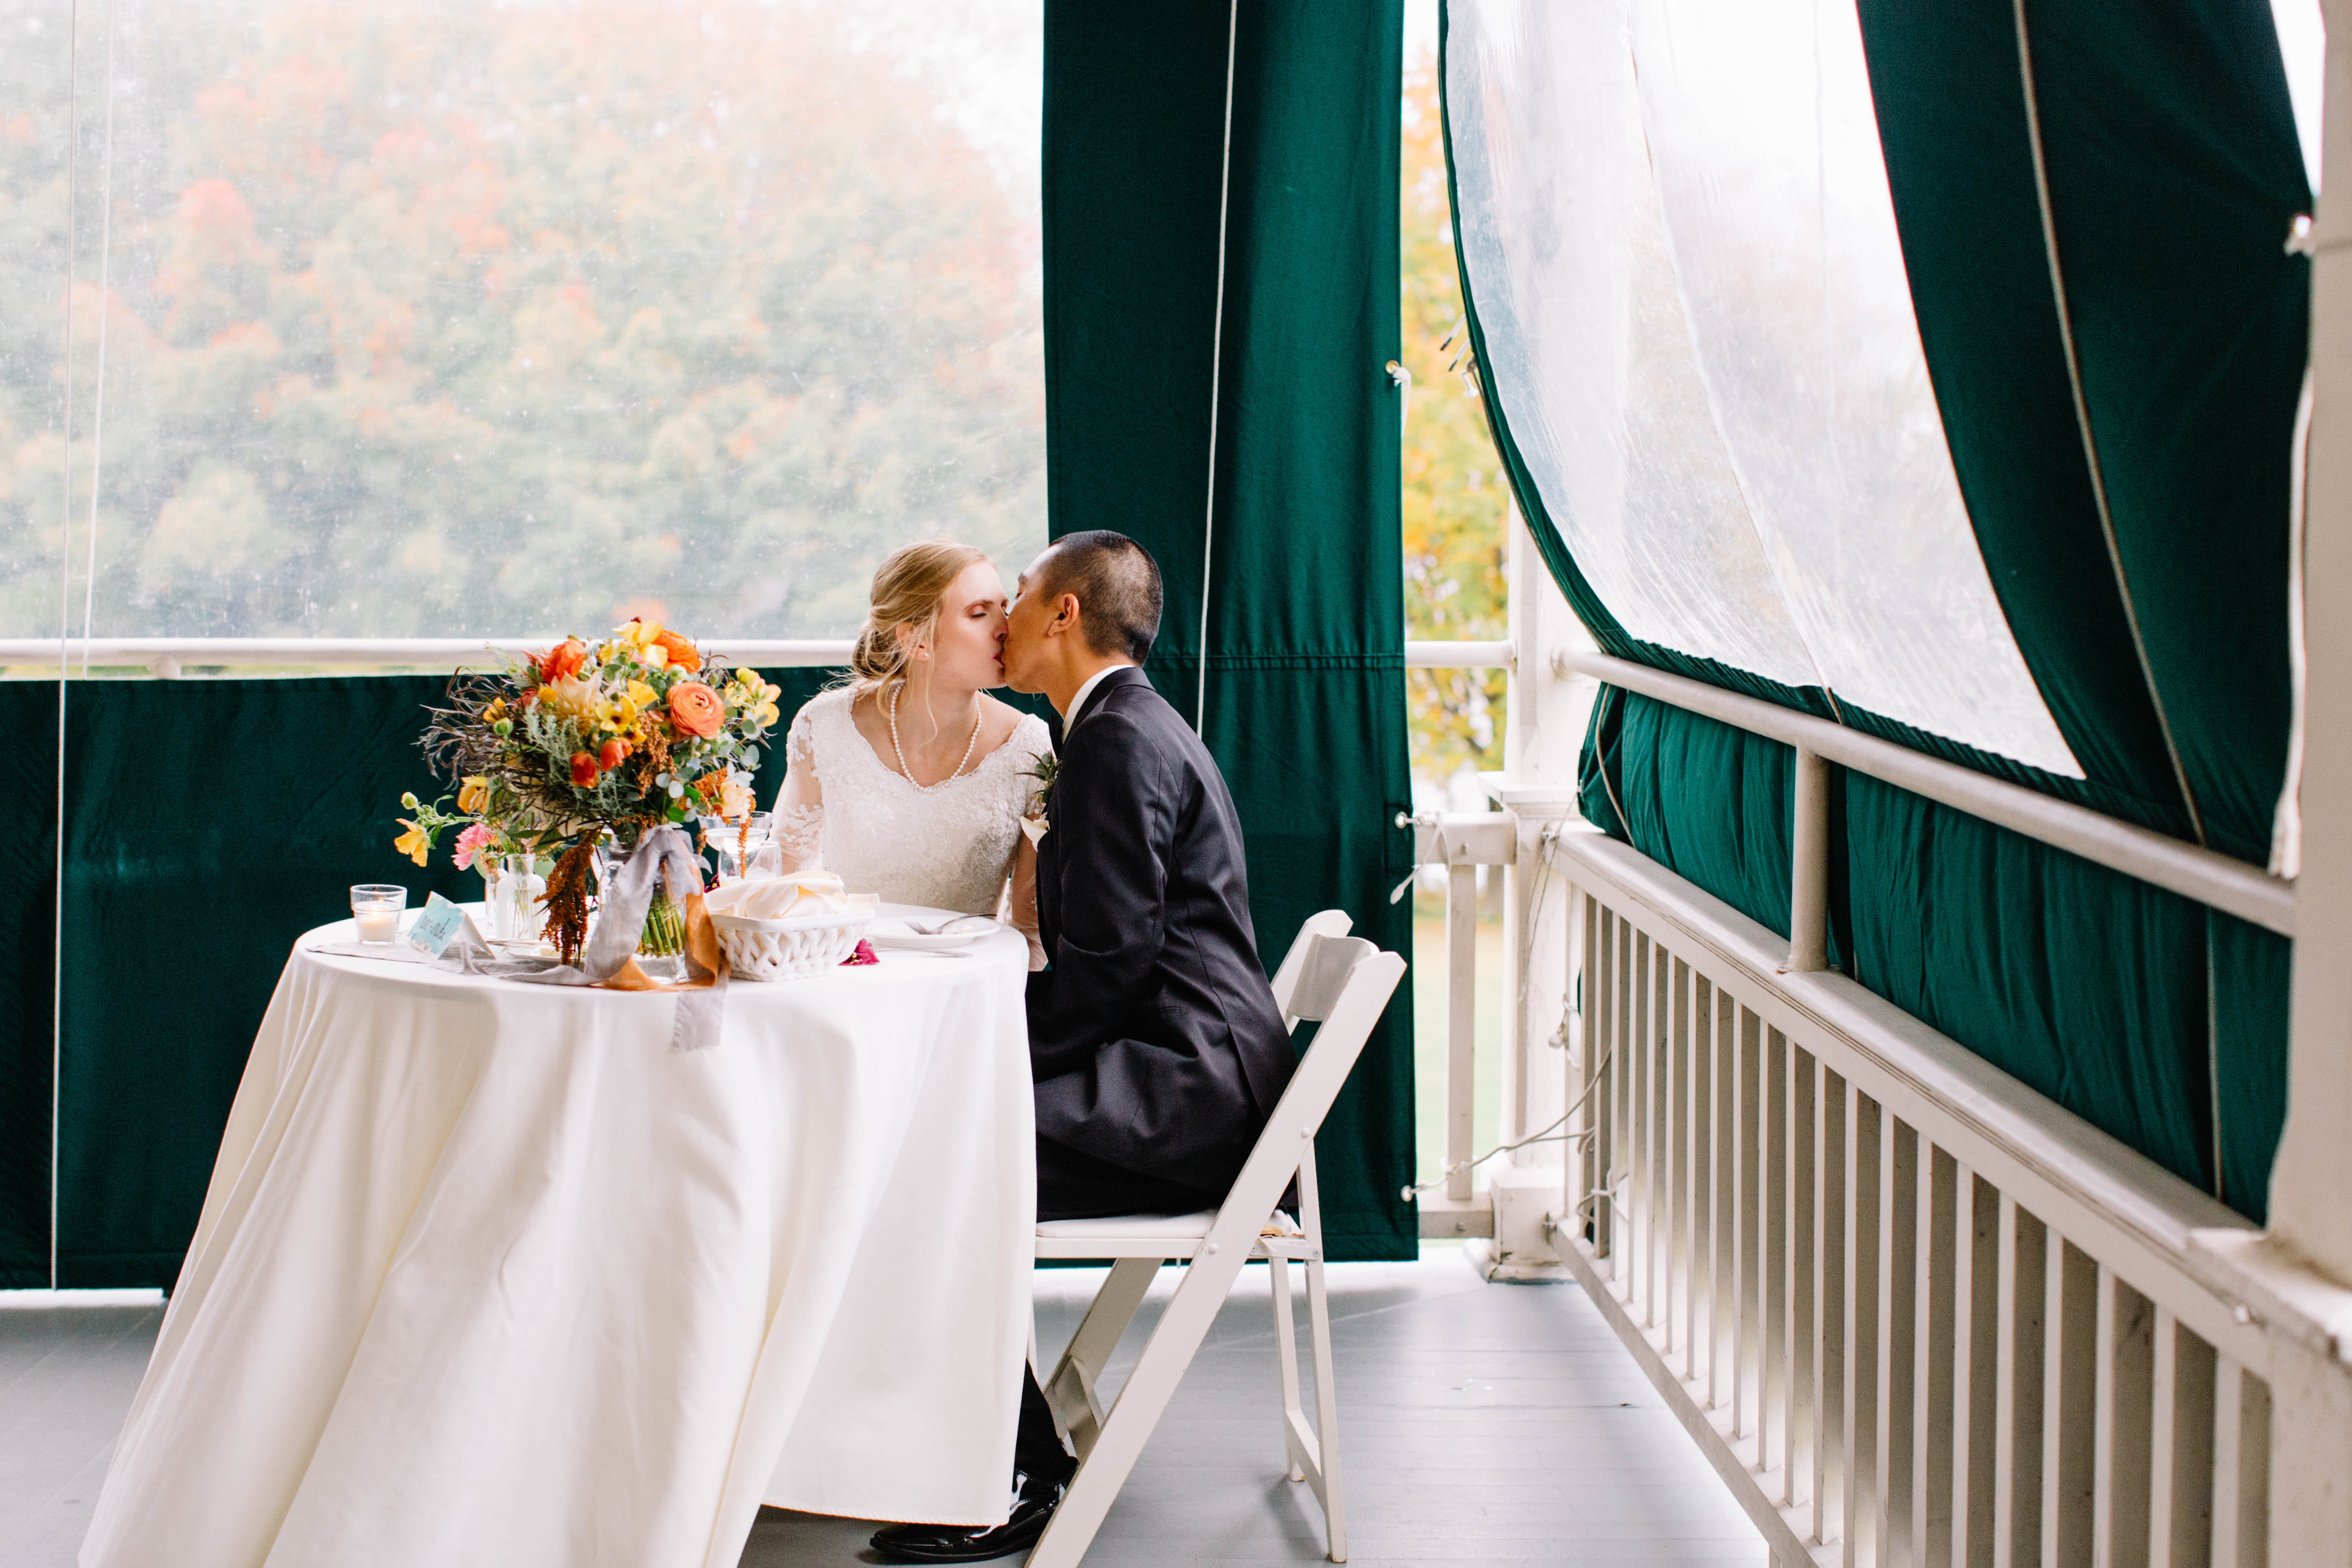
890, 709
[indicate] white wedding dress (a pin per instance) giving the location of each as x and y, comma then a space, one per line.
951, 847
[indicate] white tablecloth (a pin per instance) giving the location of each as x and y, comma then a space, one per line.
487, 1274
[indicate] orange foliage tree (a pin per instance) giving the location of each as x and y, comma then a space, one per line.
469, 320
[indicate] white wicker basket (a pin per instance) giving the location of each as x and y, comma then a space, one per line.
790, 948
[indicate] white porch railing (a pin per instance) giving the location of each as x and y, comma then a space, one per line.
169, 657
1914, 1312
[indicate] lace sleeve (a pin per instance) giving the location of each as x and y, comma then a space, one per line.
800, 806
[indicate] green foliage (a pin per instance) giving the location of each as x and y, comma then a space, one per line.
1455, 498
504, 319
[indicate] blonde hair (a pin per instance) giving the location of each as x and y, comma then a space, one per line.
908, 589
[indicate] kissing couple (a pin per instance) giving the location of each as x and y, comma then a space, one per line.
1108, 838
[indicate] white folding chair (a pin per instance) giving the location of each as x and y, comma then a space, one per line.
1343, 983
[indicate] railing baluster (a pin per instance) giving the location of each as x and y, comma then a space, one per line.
1699, 1353
1804, 1393
1602, 1106
1678, 1195
1898, 1228
1585, 938
1976, 1367
2241, 1468
1637, 1135
1829, 1487
1935, 1357
2069, 1402
1772, 1221
1652, 1031
1744, 1207
1725, 1372
2023, 1339
2125, 1368
1865, 1192
2180, 1448
1621, 1108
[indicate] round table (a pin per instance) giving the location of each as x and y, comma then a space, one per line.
490, 1273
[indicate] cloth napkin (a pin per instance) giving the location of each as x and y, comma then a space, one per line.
775, 898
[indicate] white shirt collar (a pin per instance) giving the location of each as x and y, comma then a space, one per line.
1078, 702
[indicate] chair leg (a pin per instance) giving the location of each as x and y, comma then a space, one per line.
1327, 1412
1137, 1409
1286, 1351
1070, 1391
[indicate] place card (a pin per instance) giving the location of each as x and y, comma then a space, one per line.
438, 925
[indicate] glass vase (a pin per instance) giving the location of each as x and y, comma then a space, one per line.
516, 888
664, 932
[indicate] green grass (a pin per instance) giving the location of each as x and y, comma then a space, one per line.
1429, 993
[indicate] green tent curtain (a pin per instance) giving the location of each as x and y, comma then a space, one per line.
1302, 560
2139, 552
208, 823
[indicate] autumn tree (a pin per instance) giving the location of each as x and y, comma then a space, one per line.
506, 319
1455, 497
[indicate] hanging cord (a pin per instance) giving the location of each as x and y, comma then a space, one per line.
65, 613
1414, 1190
1217, 373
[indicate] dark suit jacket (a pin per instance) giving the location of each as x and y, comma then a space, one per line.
1153, 1037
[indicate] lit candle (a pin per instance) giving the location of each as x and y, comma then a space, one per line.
375, 910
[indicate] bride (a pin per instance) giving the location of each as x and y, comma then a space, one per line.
909, 780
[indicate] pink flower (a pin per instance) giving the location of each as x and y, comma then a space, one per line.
470, 843
865, 955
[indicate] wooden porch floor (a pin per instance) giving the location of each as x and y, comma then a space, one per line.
1481, 1424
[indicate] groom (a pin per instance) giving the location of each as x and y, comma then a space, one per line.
1153, 1037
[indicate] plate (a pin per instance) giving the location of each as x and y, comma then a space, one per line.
892, 931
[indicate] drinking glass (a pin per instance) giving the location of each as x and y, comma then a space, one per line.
375, 909
736, 843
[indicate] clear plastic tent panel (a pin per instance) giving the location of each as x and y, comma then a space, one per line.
1759, 148
2302, 49
1585, 344
428, 320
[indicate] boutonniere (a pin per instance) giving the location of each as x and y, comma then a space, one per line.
1036, 824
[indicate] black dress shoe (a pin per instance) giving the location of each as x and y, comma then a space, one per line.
1033, 1502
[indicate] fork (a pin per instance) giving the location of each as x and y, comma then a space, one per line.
942, 929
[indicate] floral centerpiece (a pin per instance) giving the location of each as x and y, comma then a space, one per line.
585, 745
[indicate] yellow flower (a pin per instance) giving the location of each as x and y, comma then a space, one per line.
624, 712
653, 656
641, 694
413, 843
495, 712
474, 795
576, 698
734, 798
766, 715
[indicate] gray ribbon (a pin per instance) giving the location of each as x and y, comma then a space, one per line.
627, 893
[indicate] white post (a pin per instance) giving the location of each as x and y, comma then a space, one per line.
1808, 866
2311, 1495
1461, 1024
2313, 1171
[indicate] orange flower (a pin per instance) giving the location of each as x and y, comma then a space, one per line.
682, 653
562, 661
696, 709
611, 752
583, 770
